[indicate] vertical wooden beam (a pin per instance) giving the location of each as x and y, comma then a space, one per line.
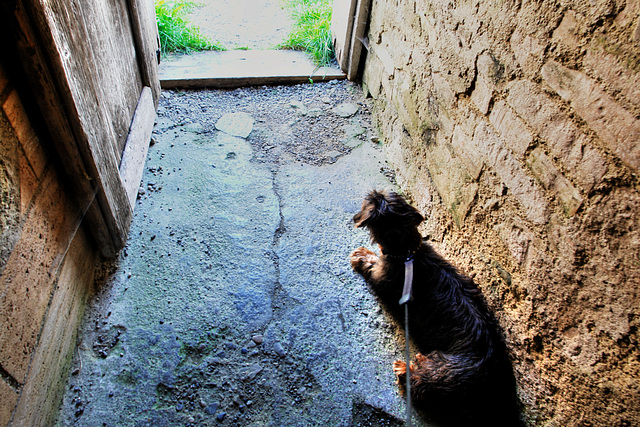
341, 28
360, 22
77, 89
145, 33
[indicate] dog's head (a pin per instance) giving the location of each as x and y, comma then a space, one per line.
391, 221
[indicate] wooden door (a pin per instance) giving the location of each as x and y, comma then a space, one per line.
93, 67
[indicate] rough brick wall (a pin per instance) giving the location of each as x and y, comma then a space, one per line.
46, 270
515, 126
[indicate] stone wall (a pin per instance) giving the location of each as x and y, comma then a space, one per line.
46, 268
514, 125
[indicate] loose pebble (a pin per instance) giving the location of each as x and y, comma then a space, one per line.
211, 408
279, 349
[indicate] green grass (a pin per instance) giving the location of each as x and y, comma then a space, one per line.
312, 29
176, 33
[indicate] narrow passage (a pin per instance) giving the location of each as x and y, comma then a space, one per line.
233, 302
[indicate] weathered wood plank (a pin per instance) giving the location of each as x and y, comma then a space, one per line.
114, 74
242, 68
135, 151
95, 50
341, 28
77, 71
359, 27
145, 32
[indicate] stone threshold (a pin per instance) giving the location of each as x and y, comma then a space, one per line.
238, 68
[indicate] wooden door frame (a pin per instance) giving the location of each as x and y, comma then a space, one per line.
104, 190
348, 29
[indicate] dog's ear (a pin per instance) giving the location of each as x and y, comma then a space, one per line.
414, 217
373, 208
402, 211
379, 205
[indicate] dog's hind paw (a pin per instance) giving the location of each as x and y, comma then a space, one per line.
420, 358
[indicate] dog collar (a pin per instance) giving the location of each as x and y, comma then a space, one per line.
408, 256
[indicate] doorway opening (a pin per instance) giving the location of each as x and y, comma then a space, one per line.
252, 42
243, 24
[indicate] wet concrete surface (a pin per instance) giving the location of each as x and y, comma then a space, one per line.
233, 302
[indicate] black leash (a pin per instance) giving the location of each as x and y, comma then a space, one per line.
406, 297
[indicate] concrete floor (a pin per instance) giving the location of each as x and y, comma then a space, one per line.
233, 302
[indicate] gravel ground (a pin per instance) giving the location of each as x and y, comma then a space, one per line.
292, 123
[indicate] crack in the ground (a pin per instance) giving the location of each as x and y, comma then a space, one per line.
280, 299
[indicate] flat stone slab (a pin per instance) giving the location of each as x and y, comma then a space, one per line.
237, 68
236, 124
346, 109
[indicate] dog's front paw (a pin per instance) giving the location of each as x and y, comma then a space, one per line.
400, 368
362, 259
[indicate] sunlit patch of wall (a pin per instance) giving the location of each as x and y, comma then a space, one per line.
47, 266
515, 126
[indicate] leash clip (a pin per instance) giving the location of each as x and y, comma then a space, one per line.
407, 289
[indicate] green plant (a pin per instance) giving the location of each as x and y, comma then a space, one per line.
312, 29
176, 33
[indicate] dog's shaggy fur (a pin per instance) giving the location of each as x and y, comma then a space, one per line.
463, 374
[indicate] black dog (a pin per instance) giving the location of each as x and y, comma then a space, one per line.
464, 376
